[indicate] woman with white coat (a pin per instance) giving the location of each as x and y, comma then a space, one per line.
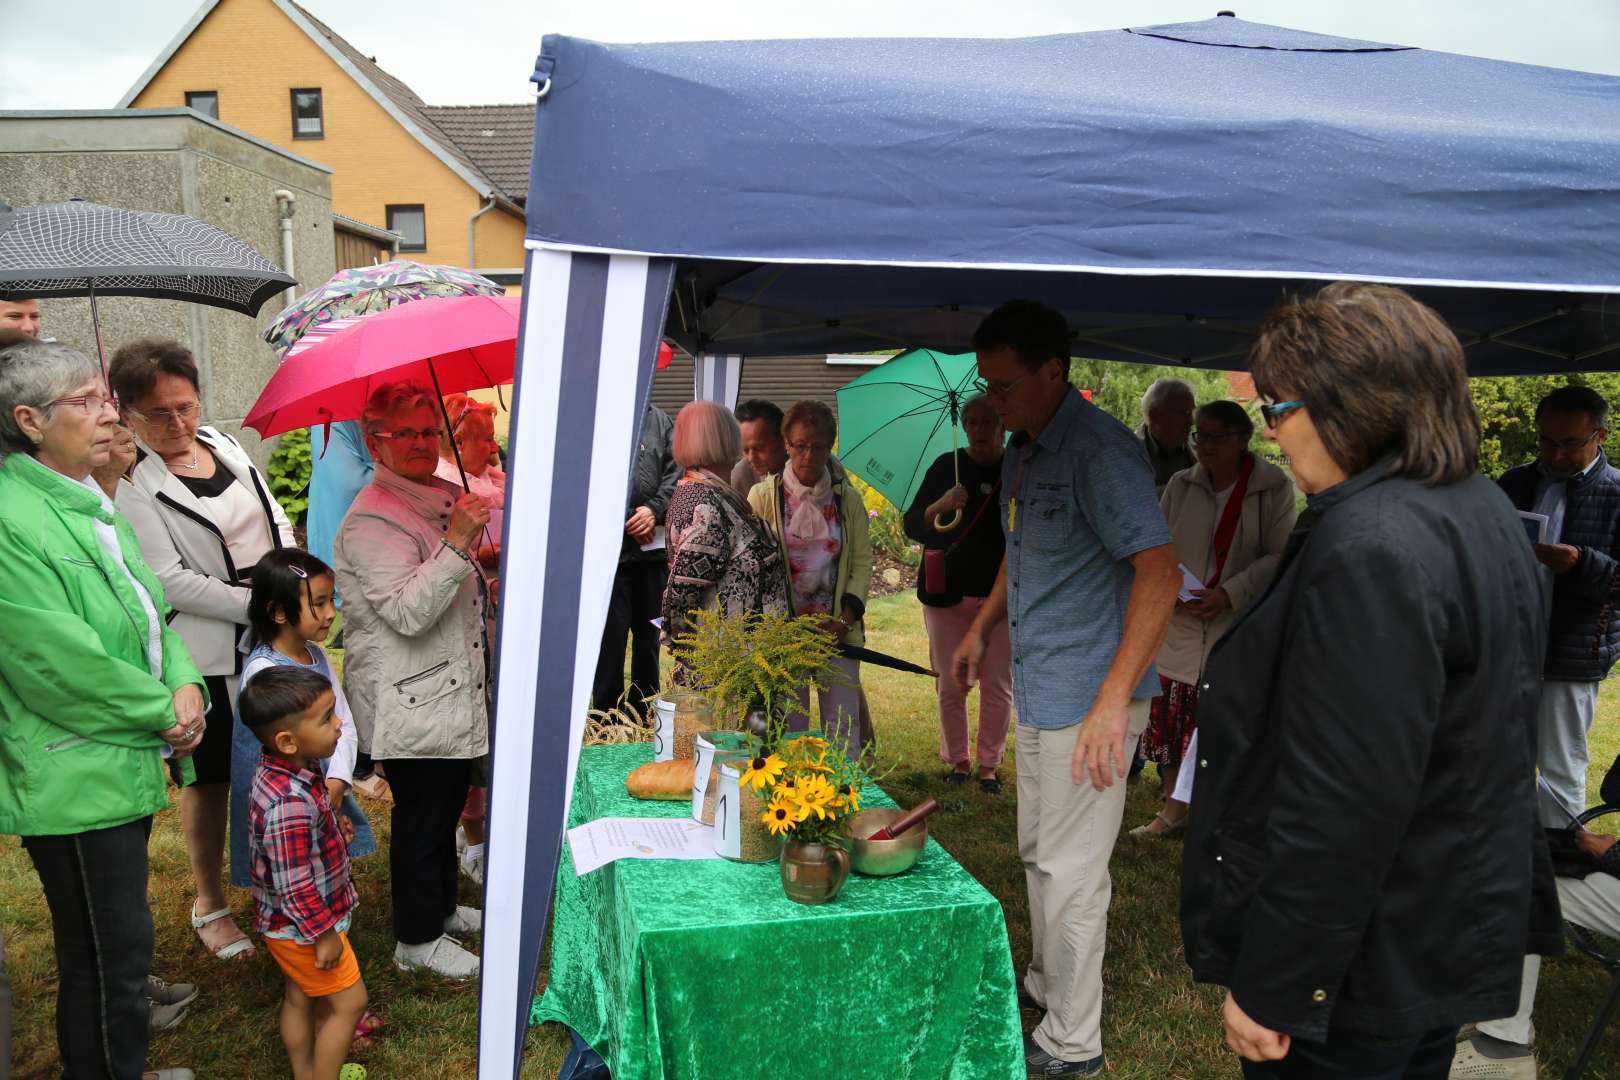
1230, 515
416, 667
204, 516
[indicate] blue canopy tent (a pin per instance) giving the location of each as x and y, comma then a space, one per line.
1162, 186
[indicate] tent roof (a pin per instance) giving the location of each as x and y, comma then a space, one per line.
1171, 179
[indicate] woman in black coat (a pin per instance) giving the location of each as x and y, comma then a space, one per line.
1364, 870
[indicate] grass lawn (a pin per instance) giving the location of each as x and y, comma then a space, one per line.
1157, 1024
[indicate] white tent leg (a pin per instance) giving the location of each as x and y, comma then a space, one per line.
586, 351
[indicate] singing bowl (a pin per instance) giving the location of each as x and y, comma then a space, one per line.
883, 858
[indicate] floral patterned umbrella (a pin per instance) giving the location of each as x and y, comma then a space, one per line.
365, 290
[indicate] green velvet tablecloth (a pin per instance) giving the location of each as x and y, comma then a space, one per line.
706, 970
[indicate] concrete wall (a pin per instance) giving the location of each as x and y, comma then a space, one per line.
253, 56
179, 162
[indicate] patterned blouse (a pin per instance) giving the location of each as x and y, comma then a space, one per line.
721, 557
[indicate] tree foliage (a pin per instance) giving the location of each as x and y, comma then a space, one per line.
1507, 413
288, 471
1117, 388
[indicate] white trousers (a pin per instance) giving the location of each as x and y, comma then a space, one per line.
1066, 833
1562, 721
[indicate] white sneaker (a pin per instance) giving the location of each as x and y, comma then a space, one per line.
461, 841
466, 920
442, 956
472, 863
1469, 1064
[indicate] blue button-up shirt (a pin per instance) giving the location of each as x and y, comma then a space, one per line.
1077, 503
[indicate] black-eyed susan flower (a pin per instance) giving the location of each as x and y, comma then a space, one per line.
780, 816
848, 797
762, 771
814, 794
808, 744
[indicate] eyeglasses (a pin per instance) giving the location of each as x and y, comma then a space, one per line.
1568, 446
1214, 437
166, 417
412, 434
1273, 414
92, 404
999, 389
809, 447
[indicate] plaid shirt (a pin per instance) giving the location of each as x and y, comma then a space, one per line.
299, 862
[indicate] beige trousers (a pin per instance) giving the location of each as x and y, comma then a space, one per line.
1066, 832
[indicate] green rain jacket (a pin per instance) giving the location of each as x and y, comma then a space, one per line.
79, 709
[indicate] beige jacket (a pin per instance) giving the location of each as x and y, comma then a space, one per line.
1264, 523
413, 624
854, 557
191, 556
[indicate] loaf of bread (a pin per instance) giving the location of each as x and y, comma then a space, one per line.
661, 780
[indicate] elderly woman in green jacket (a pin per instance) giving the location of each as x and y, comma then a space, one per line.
820, 523
95, 693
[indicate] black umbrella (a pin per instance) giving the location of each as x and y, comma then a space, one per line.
870, 656
80, 248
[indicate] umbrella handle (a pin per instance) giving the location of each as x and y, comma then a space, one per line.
941, 522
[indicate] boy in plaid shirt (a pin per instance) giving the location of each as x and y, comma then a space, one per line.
302, 895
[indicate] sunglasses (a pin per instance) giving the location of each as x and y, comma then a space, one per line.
1273, 414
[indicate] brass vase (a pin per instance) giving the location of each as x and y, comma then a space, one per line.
813, 873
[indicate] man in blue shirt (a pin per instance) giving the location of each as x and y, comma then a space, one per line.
1087, 585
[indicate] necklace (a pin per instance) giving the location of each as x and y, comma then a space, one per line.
192, 464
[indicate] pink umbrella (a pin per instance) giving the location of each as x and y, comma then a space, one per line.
451, 343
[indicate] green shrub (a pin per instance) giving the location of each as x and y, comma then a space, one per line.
289, 474
883, 523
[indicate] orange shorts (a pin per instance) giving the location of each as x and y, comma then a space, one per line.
298, 963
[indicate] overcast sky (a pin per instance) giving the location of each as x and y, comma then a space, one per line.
84, 54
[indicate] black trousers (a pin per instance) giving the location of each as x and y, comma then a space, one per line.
95, 886
638, 599
428, 796
1346, 1057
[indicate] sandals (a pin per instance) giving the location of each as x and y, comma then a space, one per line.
243, 946
367, 1026
1160, 828
990, 785
954, 777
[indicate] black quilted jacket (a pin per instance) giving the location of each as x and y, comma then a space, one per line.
1583, 637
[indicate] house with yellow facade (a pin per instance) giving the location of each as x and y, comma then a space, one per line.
450, 180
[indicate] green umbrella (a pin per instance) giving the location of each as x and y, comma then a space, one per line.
897, 418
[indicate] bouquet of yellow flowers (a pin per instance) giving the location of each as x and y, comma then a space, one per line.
810, 787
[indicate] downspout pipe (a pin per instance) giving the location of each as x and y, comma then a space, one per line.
287, 204
472, 230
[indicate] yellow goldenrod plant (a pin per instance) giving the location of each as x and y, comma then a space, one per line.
748, 663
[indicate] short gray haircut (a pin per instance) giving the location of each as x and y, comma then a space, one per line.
1163, 390
979, 401
707, 436
36, 373
390, 398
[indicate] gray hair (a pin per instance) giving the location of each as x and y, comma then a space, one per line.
36, 373
707, 436
1163, 390
979, 401
390, 398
